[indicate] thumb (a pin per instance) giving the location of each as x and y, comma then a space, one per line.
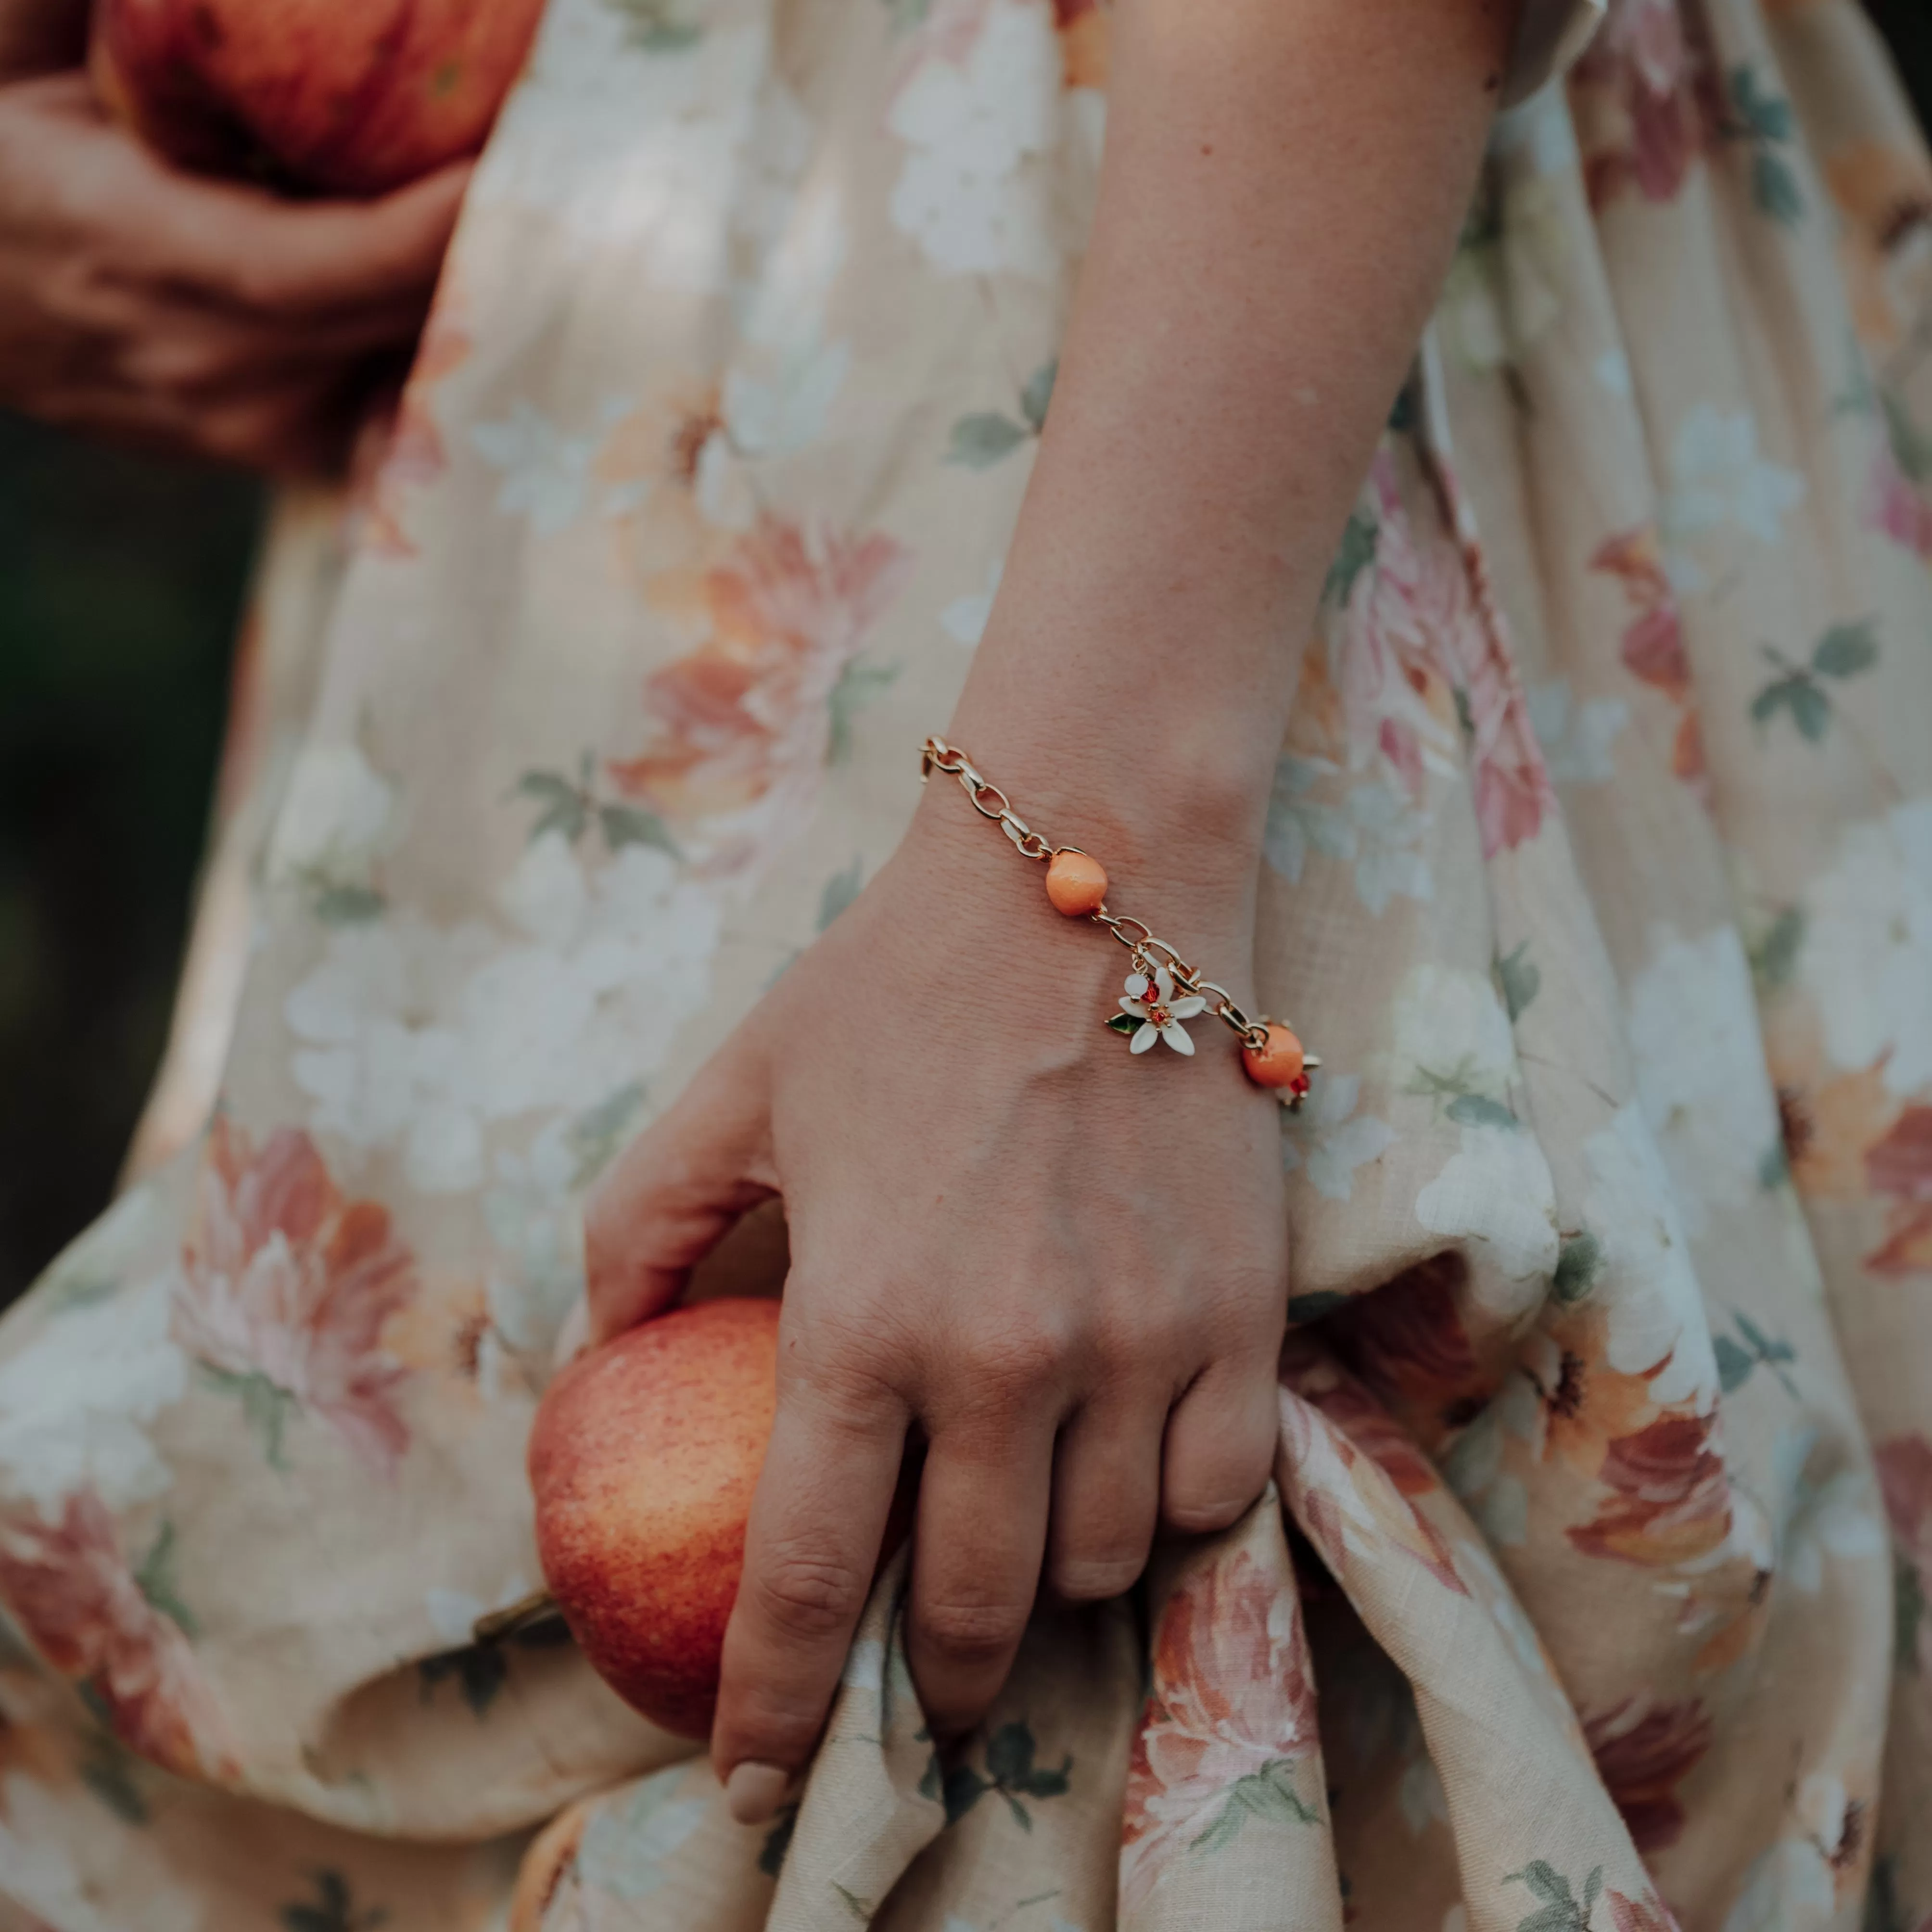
678, 1190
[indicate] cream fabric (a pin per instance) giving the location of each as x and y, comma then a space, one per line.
1599, 863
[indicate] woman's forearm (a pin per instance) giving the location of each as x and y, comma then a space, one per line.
1283, 186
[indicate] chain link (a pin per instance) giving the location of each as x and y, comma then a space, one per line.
937, 755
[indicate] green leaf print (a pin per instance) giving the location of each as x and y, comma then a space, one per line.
839, 891
655, 26
598, 1132
1798, 693
1908, 1602
980, 440
1766, 123
341, 902
1911, 447
1765, 116
1459, 1091
332, 1909
1010, 1771
1774, 189
112, 1773
1578, 1261
1356, 552
858, 684
1845, 650
1739, 1357
1266, 1794
155, 1580
1520, 979
777, 1842
266, 1405
1561, 1910
624, 825
566, 806
572, 807
481, 1670
1774, 957
1478, 1110
1122, 1023
1038, 394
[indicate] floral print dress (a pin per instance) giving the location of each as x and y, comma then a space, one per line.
1592, 1595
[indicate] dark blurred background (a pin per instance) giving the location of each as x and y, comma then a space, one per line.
121, 581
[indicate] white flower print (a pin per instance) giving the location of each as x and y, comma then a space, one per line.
1327, 1140
1612, 371
1448, 1022
1823, 1512
965, 194
654, 157
59, 1862
75, 1402
1153, 1003
546, 472
1576, 739
1645, 1286
627, 1841
1495, 1192
964, 620
1700, 1071
336, 815
1375, 827
425, 1035
1867, 955
1719, 480
1788, 1888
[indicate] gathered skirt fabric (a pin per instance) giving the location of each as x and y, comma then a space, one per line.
1592, 1589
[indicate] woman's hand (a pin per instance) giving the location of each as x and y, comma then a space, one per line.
1061, 1264
190, 315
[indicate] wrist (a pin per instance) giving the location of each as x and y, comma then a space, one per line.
1173, 806
1195, 893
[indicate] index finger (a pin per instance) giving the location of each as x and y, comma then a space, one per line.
817, 1522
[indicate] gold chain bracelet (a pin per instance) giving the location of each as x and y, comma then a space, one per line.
1162, 989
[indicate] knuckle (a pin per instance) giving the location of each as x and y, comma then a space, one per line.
807, 1595
971, 1632
1008, 1363
1127, 1346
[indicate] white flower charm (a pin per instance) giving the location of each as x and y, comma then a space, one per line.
1153, 1003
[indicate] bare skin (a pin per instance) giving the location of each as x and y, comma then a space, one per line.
194, 316
1064, 1267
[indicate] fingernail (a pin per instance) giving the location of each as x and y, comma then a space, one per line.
753, 1792
574, 1336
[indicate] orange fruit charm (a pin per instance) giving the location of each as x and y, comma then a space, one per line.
1076, 884
1281, 1063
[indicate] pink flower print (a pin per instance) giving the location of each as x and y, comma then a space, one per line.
748, 714
1893, 505
285, 1288
1232, 1705
1643, 1751
85, 1612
